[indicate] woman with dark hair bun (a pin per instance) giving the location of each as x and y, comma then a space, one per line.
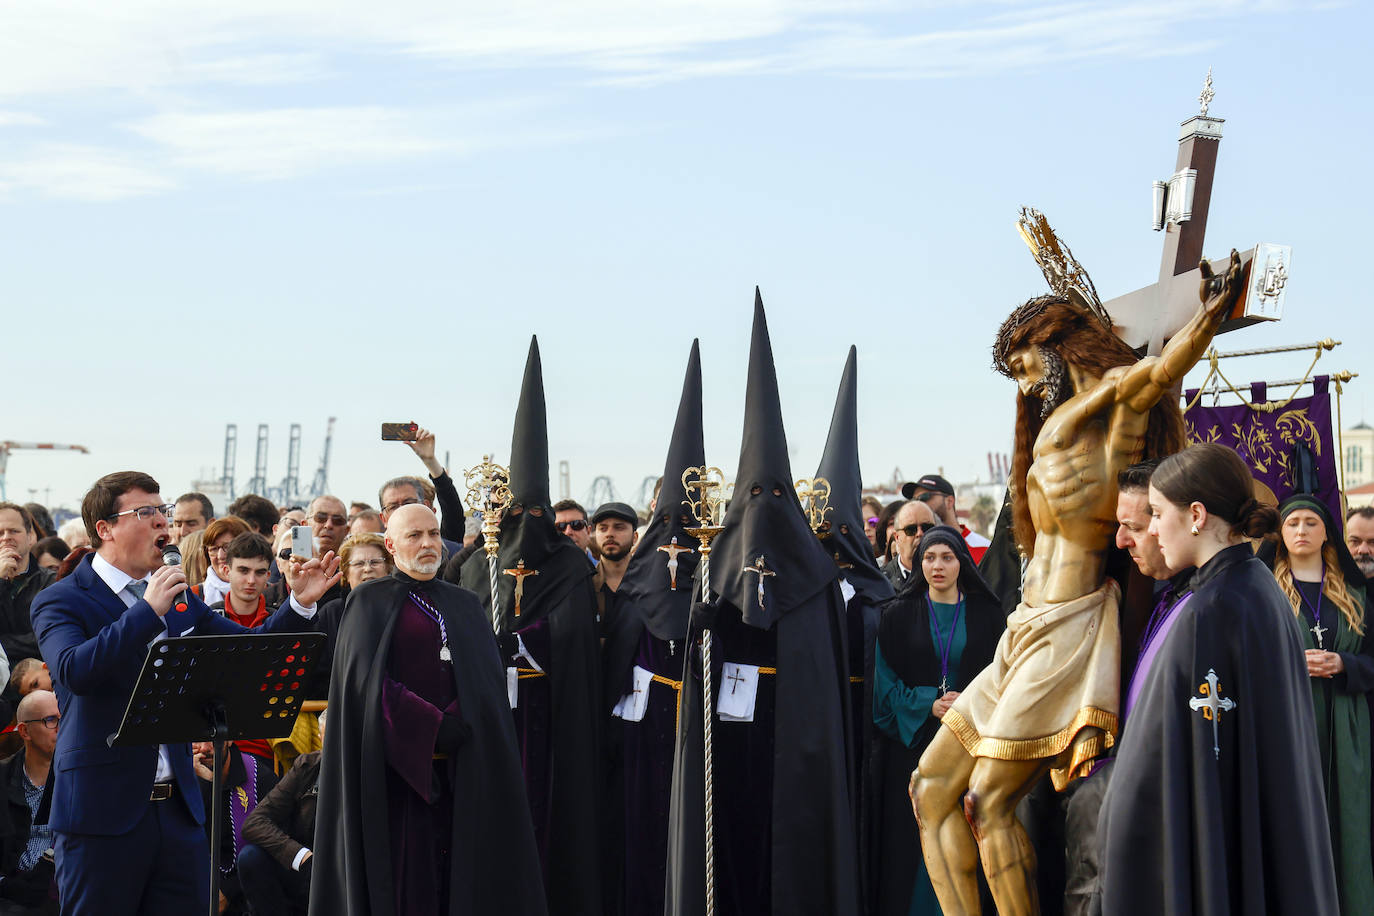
1216, 802
1325, 590
933, 638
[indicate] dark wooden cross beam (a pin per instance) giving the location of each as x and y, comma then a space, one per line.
1147, 317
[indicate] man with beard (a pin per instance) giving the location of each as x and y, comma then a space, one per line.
642, 659
422, 809
1359, 537
614, 531
1087, 409
128, 818
546, 627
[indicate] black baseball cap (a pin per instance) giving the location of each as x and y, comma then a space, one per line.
616, 510
927, 482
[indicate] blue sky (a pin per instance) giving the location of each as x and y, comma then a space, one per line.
280, 212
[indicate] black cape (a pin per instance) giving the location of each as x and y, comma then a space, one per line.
561, 747
1186, 828
494, 866
791, 849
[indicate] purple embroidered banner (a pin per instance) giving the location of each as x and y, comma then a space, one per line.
1266, 441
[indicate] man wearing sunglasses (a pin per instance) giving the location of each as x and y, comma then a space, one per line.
913, 520
571, 521
26, 874
127, 820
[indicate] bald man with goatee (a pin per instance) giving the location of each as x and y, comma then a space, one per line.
422, 805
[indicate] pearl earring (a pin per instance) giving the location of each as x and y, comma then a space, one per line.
1194, 529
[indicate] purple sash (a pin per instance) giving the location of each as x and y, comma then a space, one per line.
1147, 656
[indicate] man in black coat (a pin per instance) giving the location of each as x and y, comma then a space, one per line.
422, 807
26, 865
21, 578
276, 860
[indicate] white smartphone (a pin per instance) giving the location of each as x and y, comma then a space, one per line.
302, 542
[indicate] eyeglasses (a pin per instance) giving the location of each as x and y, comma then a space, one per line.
217, 550
871, 520
321, 518
284, 554
49, 721
394, 506
576, 524
145, 512
917, 528
366, 564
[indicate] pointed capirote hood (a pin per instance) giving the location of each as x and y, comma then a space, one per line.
766, 538
527, 534
658, 564
846, 541
529, 442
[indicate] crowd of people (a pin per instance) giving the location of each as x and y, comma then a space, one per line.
1283, 590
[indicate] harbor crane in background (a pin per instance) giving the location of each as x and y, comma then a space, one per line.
7, 447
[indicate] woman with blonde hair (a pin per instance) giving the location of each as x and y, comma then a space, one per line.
1325, 590
193, 559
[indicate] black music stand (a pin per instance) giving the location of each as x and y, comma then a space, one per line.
217, 688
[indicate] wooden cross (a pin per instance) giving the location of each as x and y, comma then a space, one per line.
1212, 704
519, 572
1151, 315
760, 567
672, 550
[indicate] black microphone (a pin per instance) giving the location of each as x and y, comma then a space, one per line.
171, 556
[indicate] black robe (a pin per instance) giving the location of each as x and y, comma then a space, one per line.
1225, 816
559, 719
493, 865
784, 827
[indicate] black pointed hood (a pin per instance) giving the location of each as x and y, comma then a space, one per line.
765, 519
839, 465
529, 442
529, 536
648, 580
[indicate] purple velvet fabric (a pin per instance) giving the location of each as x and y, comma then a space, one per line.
416, 692
1147, 656
648, 777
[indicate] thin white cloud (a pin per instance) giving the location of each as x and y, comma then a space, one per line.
80, 173
282, 143
20, 119
143, 45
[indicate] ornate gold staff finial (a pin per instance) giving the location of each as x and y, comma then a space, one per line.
814, 493
708, 508
488, 493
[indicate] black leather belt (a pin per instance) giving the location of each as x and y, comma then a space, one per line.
161, 791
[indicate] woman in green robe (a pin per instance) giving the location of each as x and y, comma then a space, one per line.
937, 633
1326, 590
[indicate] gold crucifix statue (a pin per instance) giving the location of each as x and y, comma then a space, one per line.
519, 572
672, 550
1087, 408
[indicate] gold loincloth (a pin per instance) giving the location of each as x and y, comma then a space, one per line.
1052, 690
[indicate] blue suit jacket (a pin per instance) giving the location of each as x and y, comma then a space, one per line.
95, 648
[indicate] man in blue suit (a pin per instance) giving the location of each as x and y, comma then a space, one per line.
128, 820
